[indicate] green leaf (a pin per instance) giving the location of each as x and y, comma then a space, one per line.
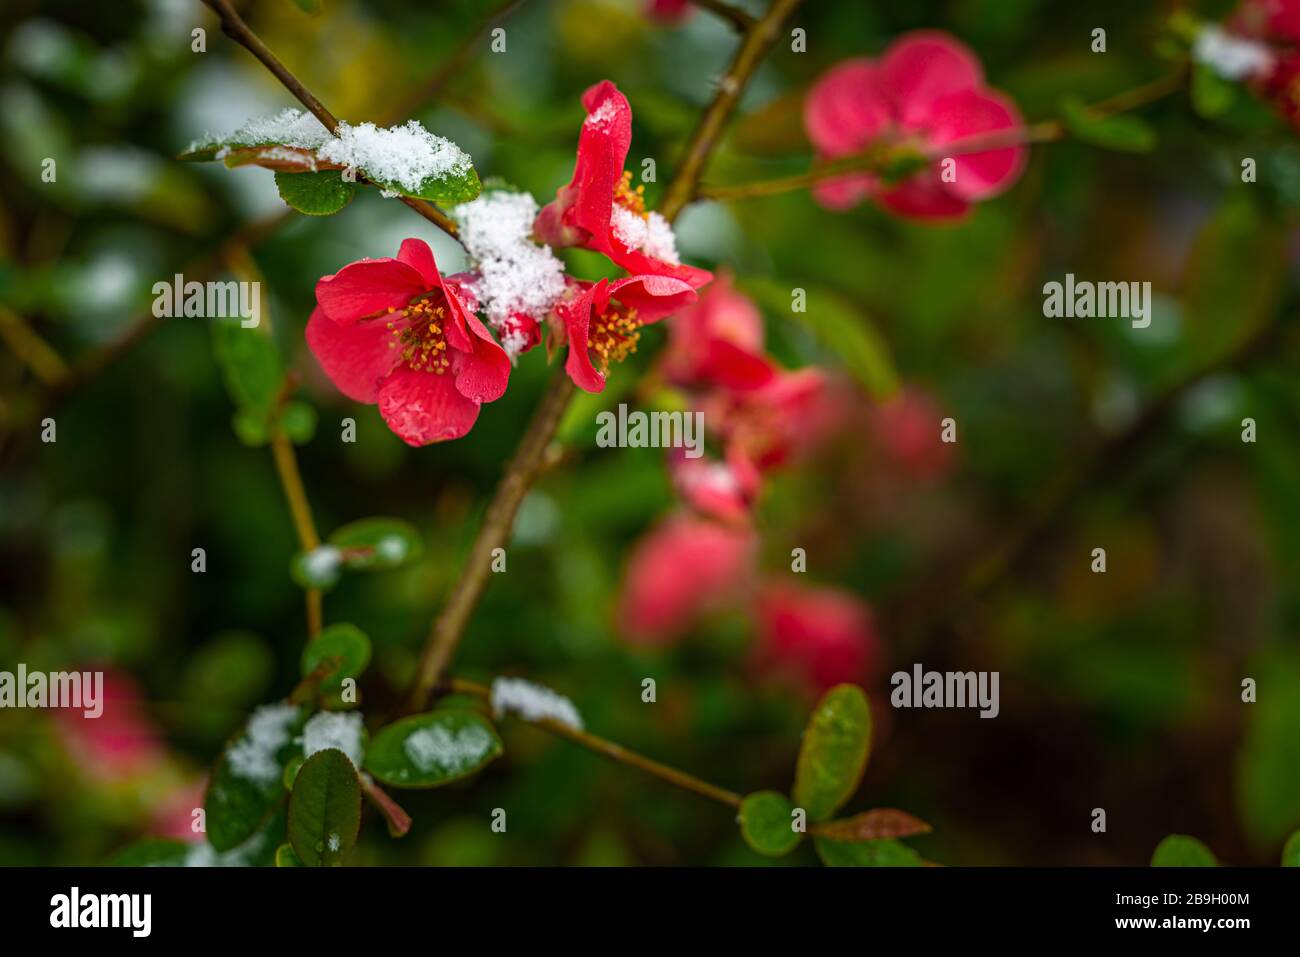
322, 567
325, 809
245, 789
767, 823
834, 752
298, 421
285, 857
1123, 133
886, 853
1179, 850
428, 750
253, 372
1291, 852
322, 193
372, 544
346, 645
152, 852
447, 189
1212, 95
839, 328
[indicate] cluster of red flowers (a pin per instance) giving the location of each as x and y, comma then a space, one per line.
704, 558
398, 333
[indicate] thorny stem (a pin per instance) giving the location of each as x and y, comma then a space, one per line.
1048, 131
758, 40
235, 28
449, 627
615, 752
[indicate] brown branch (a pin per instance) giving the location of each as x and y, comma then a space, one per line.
235, 28
519, 476
615, 752
738, 18
757, 42
32, 350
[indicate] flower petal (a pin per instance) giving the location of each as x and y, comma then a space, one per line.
846, 108
368, 287
355, 357
423, 407
653, 297
923, 196
576, 315
417, 254
482, 373
843, 192
968, 113
922, 66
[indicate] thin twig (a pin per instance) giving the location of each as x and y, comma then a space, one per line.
758, 40
32, 350
615, 752
235, 28
738, 18
492, 534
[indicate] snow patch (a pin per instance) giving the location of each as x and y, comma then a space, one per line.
334, 729
514, 274
533, 702
437, 749
652, 235
405, 155
252, 757
1230, 56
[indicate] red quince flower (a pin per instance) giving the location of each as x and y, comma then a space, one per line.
768, 427
1277, 20
121, 741
600, 210
604, 320
397, 333
907, 431
682, 569
820, 637
718, 342
722, 490
925, 91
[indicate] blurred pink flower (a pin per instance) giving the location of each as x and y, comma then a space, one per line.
926, 90
718, 341
682, 569
907, 431
818, 636
173, 816
716, 489
668, 11
770, 426
395, 332
121, 742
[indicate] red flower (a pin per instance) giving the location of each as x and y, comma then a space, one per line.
599, 209
1268, 19
718, 341
767, 427
907, 429
605, 319
722, 490
395, 332
668, 11
819, 636
682, 569
120, 741
925, 91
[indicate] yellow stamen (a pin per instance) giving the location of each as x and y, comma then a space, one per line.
613, 336
422, 340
